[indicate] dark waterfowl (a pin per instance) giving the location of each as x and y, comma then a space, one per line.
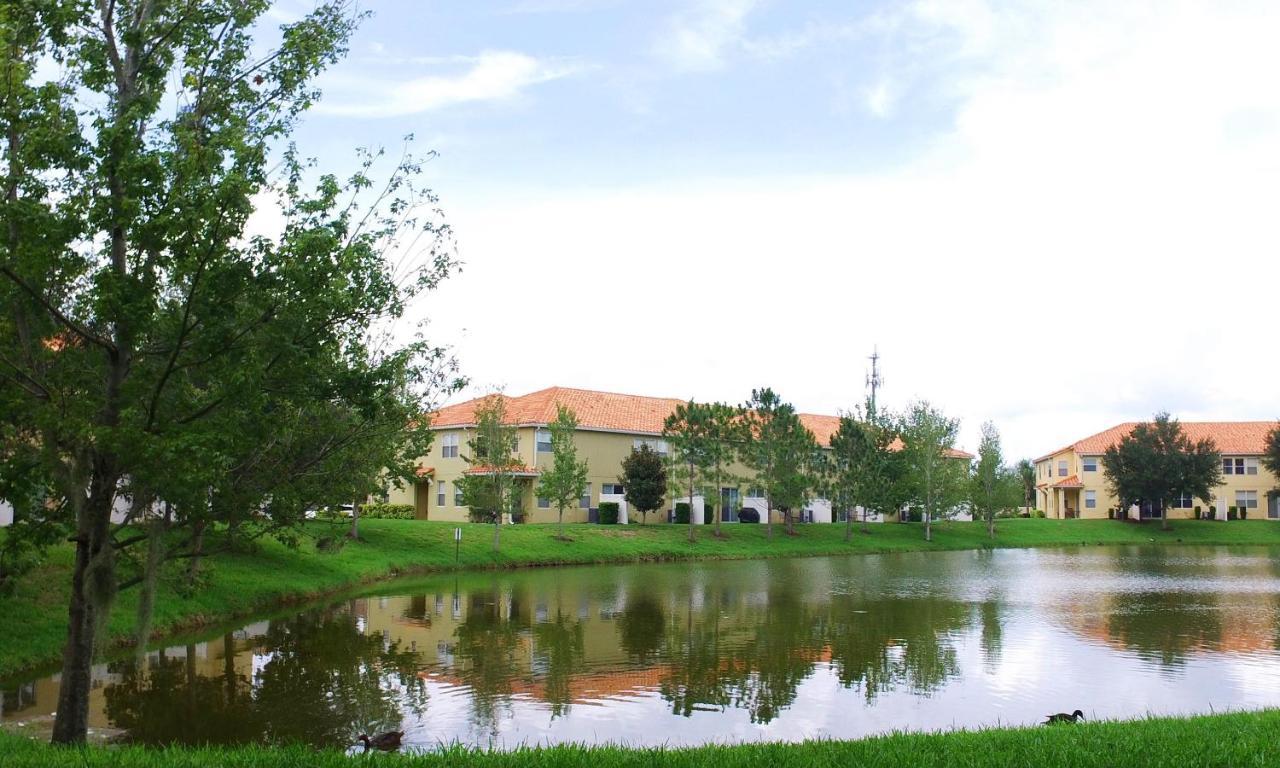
1063, 717
384, 741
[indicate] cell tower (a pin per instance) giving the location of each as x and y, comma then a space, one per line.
874, 381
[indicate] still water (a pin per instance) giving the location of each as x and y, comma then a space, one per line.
720, 652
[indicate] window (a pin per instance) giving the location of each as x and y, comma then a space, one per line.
1090, 499
1247, 499
1183, 502
457, 494
1062, 468
544, 441
614, 489
585, 501
1240, 466
440, 493
544, 503
755, 493
449, 446
658, 446
1090, 463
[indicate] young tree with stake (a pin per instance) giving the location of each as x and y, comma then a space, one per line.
563, 483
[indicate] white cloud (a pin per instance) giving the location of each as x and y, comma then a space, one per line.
699, 38
1092, 239
492, 76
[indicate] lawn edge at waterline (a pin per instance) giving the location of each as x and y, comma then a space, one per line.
271, 576
1228, 739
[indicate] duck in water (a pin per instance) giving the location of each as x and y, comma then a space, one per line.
1063, 717
387, 742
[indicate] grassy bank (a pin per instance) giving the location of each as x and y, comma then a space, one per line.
1234, 739
33, 620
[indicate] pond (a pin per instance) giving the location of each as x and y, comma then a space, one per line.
720, 652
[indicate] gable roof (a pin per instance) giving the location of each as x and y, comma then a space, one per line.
1231, 437
607, 411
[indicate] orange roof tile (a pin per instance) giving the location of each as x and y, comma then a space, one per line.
610, 411
521, 470
425, 471
1071, 481
1231, 437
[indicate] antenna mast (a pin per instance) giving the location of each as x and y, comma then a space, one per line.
873, 379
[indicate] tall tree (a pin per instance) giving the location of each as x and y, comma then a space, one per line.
936, 478
143, 321
644, 480
866, 467
991, 481
1027, 475
564, 482
1157, 462
1271, 453
688, 429
724, 434
780, 451
488, 485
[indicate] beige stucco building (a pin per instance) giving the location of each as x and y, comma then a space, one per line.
1070, 481
610, 426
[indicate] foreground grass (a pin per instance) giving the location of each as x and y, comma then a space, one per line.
1234, 739
33, 619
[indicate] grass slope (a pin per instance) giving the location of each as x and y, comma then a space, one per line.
1234, 739
33, 619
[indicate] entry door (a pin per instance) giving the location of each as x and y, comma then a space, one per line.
1273, 507
729, 505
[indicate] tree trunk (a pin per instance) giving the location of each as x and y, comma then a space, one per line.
865, 528
848, 524
354, 533
691, 482
768, 517
197, 551
497, 528
791, 528
71, 724
560, 523
1164, 516
991, 524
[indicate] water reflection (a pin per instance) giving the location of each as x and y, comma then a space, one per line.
720, 652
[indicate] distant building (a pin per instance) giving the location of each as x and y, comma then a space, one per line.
609, 426
1070, 481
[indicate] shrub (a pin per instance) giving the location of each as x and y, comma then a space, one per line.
1040, 513
709, 514
682, 512
1244, 512
748, 515
608, 513
1111, 513
1231, 513
387, 511
1197, 511
1211, 514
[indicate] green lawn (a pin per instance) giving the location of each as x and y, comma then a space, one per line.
33, 619
1234, 739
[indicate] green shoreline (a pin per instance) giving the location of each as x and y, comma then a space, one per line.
274, 577
1231, 739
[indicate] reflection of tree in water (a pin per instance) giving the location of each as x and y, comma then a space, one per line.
558, 648
487, 646
323, 682
695, 680
642, 627
766, 670
1165, 626
992, 633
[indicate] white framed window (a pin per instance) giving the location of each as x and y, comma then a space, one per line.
439, 493
544, 503
1089, 463
1062, 468
457, 495
1183, 502
1090, 499
658, 446
585, 501
543, 440
1239, 466
449, 446
1247, 499
755, 493
611, 488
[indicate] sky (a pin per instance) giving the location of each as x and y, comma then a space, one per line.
1053, 216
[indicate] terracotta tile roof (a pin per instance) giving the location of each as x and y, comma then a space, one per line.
1070, 481
522, 470
425, 471
1232, 437
631, 414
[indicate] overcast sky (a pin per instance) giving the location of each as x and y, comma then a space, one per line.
1056, 216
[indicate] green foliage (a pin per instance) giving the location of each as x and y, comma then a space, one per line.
1157, 462
936, 480
564, 482
781, 453
1027, 474
608, 511
1271, 451
682, 512
866, 471
488, 487
689, 431
994, 488
644, 480
387, 511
